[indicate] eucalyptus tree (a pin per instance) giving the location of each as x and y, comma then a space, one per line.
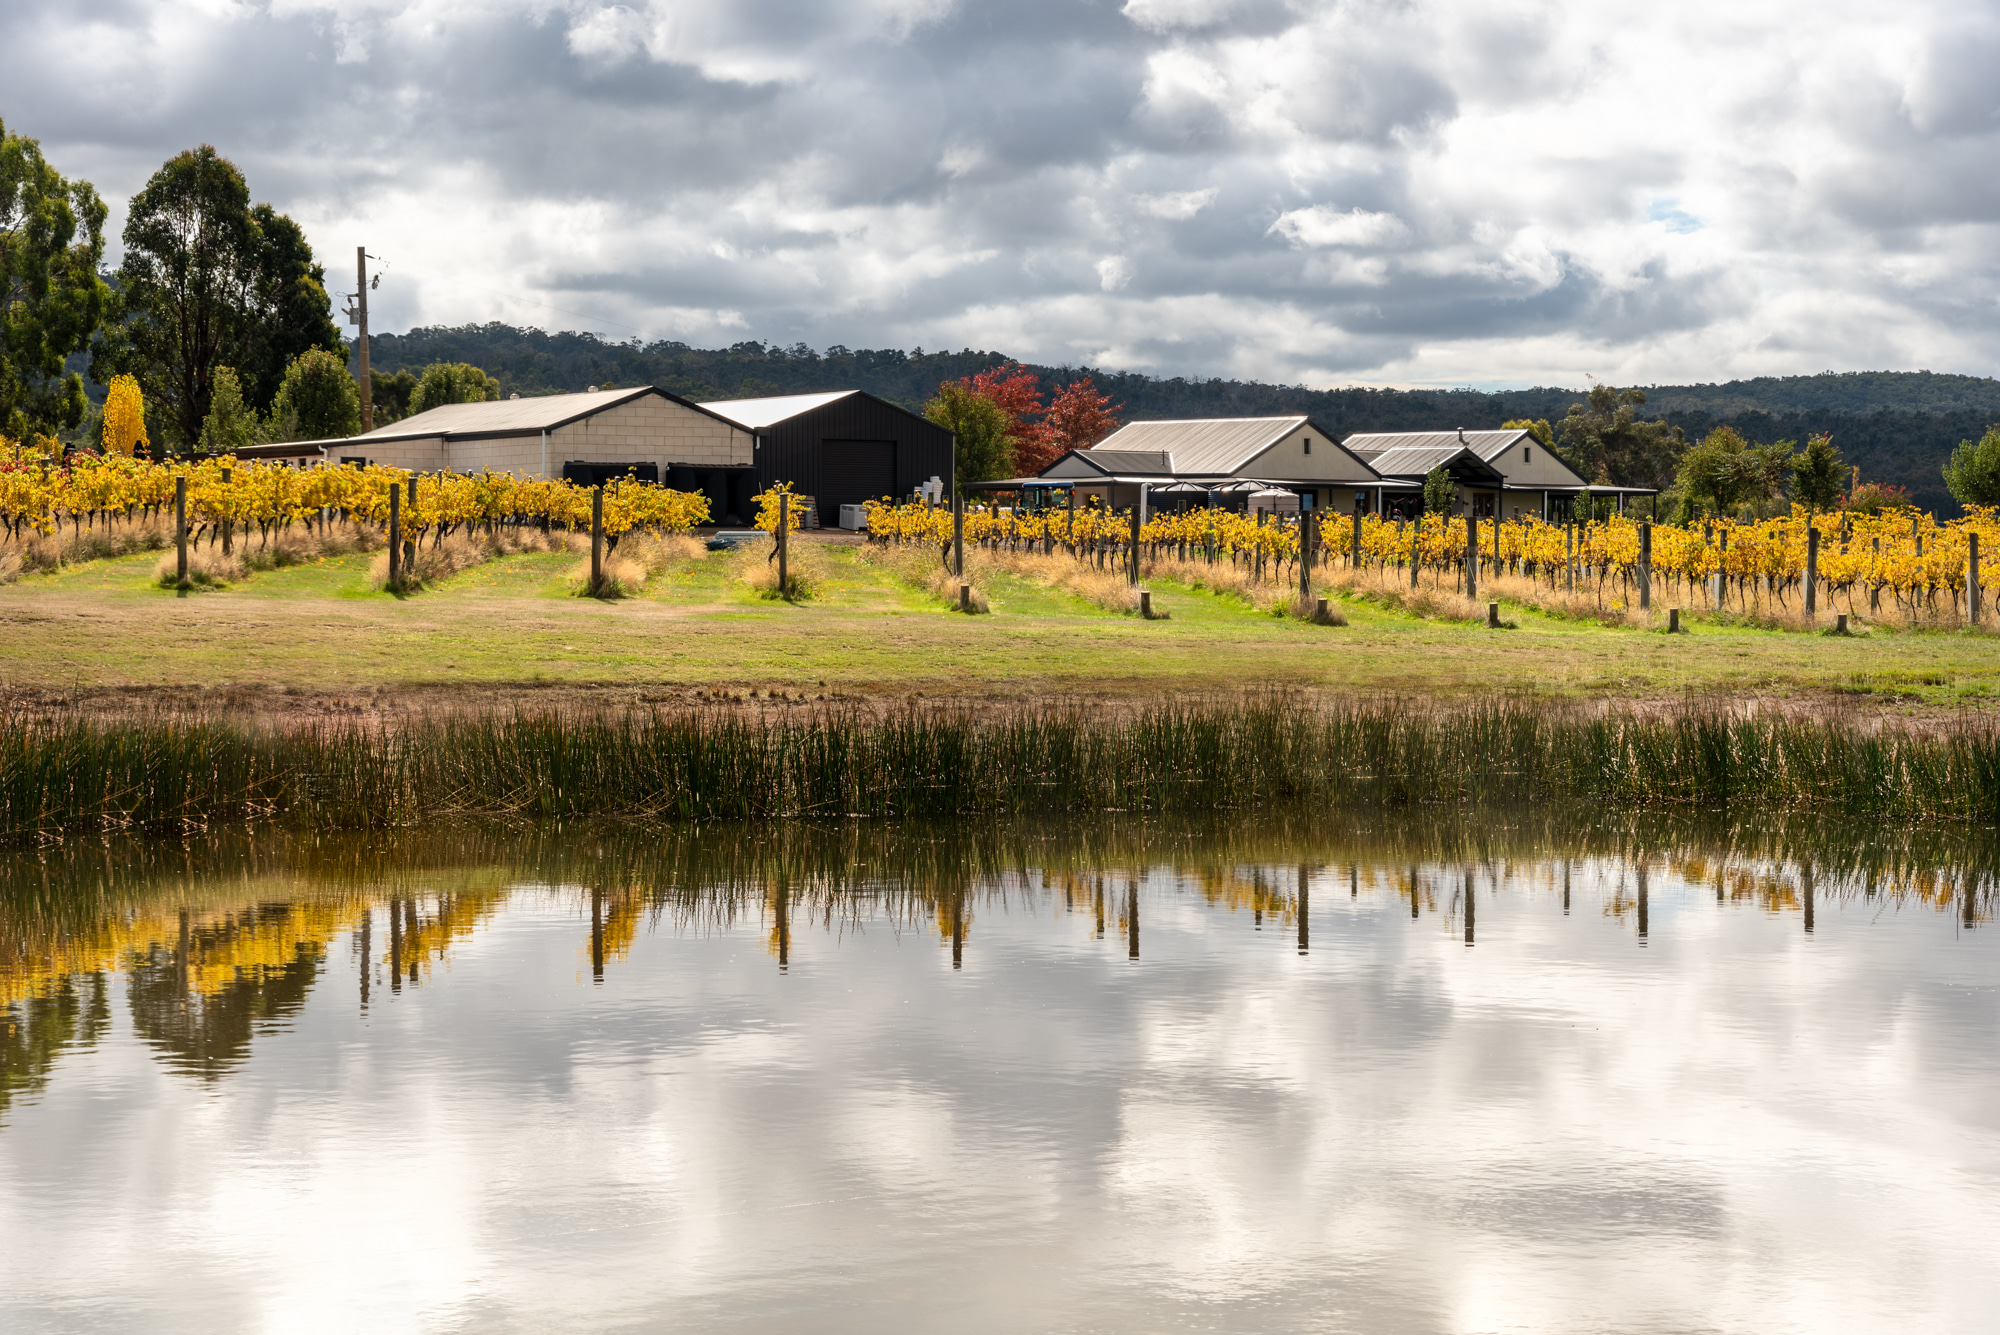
51, 298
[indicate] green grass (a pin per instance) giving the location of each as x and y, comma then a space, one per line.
509, 623
73, 774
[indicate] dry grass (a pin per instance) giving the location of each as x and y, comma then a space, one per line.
923, 568
1278, 598
46, 553
806, 570
636, 558
1107, 588
440, 559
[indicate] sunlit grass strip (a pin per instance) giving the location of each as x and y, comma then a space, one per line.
80, 775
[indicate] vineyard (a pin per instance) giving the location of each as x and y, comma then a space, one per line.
1918, 564
226, 499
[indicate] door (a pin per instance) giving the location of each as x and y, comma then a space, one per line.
853, 471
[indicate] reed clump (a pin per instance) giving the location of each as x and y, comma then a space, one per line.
77, 774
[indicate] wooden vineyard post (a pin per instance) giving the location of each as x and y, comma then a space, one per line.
1132, 566
1812, 570
785, 544
958, 536
410, 544
1875, 584
1569, 552
228, 525
1674, 620
395, 538
1354, 557
1416, 537
1471, 553
1721, 562
1145, 604
1306, 536
597, 540
1492, 616
1973, 576
181, 530
1646, 565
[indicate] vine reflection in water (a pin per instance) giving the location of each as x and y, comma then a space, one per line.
1253, 1071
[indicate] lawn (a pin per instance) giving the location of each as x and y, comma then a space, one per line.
513, 626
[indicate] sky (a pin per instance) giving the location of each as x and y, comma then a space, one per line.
1491, 193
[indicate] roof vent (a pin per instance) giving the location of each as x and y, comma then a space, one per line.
593, 390
1461, 431
513, 396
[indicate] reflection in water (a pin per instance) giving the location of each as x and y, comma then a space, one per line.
1246, 1134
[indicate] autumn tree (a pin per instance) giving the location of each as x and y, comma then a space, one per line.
452, 382
1078, 418
51, 245
1017, 393
124, 427
318, 399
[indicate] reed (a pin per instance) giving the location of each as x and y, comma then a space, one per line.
74, 775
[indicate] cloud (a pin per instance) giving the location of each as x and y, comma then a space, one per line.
1386, 191
1321, 225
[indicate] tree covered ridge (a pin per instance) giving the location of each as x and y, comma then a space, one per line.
1898, 426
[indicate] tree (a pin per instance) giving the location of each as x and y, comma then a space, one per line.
1440, 492
1872, 498
1078, 418
1973, 471
230, 425
124, 430
318, 399
980, 448
1605, 440
291, 312
209, 281
390, 395
451, 382
1017, 393
52, 301
1817, 474
1713, 472
1539, 429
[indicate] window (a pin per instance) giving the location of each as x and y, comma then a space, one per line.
1309, 444
1527, 453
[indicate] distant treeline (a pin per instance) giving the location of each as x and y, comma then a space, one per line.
1897, 426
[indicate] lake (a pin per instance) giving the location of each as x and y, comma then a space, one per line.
1451, 1072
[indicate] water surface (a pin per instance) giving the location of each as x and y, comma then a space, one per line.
1451, 1074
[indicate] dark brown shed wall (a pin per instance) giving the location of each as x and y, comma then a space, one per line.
790, 450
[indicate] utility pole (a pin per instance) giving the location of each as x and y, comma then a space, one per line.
357, 314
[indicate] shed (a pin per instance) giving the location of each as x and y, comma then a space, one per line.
586, 437
841, 448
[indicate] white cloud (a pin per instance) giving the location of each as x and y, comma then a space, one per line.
1700, 190
1322, 225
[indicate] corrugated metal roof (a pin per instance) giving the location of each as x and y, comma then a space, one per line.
1202, 446
544, 412
1415, 461
760, 413
1128, 461
1485, 444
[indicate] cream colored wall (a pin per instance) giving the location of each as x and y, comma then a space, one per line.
648, 430
426, 454
1542, 470
1327, 462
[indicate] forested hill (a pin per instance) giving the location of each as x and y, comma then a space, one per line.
1899, 426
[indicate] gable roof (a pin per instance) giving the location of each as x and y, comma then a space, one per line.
1488, 445
498, 417
1203, 446
759, 413
1414, 461
1107, 463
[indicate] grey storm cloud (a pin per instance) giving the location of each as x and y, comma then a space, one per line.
1415, 192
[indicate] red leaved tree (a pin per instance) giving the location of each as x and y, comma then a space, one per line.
1017, 392
1079, 417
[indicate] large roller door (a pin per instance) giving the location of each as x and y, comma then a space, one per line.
853, 471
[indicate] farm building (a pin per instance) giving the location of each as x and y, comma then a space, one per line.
642, 431
1508, 472
1211, 461
841, 448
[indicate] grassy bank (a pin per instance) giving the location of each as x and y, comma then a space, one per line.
74, 775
